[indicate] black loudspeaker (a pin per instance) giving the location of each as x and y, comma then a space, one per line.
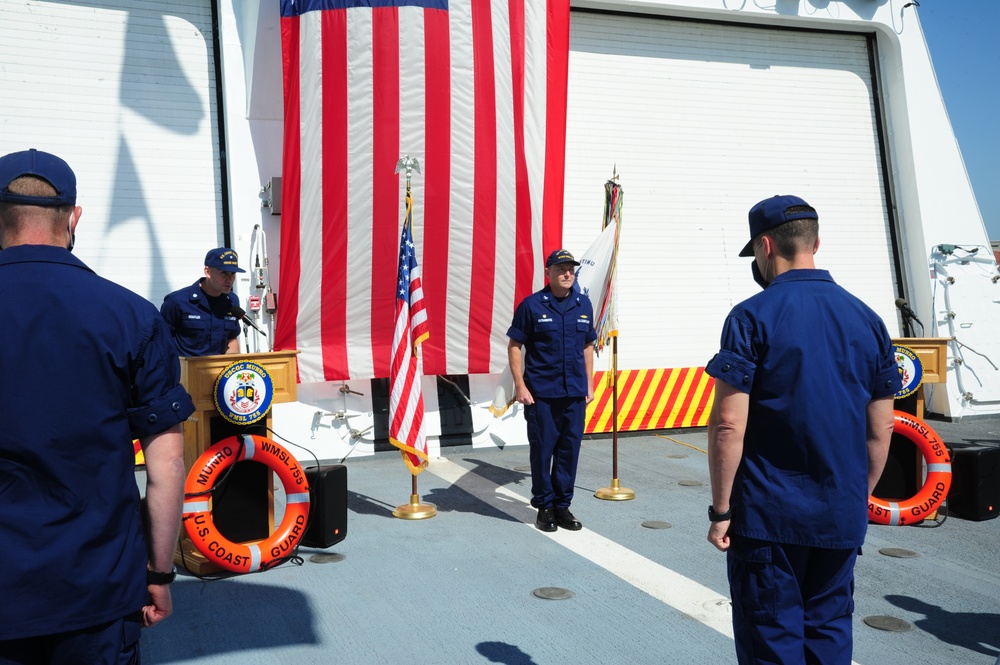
975, 481
328, 510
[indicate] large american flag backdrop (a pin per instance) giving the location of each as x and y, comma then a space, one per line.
475, 90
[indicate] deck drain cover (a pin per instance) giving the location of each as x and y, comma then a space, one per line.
552, 593
892, 624
525, 469
327, 557
676, 456
655, 524
690, 483
898, 552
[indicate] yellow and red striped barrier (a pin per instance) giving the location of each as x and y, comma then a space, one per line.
651, 399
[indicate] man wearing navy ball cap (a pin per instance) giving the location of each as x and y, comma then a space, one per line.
551, 355
203, 317
87, 366
798, 436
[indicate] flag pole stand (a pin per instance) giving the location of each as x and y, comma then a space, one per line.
616, 492
414, 510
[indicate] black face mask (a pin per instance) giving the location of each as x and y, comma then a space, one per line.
757, 277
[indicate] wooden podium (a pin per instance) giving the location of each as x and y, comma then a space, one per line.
250, 504
904, 472
933, 355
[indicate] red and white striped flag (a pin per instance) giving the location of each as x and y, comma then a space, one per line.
475, 90
406, 400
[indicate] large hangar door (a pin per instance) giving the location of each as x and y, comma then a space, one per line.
126, 93
702, 120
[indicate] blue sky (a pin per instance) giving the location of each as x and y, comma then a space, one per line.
964, 40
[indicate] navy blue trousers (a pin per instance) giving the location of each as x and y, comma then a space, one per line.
112, 643
791, 604
555, 430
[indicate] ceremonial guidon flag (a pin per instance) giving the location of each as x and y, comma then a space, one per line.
475, 90
406, 400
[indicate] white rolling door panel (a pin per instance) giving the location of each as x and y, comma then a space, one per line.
125, 92
703, 120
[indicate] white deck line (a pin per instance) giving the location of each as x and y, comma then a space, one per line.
675, 590
681, 593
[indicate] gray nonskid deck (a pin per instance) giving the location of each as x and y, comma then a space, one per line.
457, 588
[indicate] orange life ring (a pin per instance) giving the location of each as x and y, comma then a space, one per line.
245, 557
935, 488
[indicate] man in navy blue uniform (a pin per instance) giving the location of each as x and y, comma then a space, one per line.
87, 366
798, 437
551, 355
201, 316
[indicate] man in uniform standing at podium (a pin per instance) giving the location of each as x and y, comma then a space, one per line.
202, 317
86, 366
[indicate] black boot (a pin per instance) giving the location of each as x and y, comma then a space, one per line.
546, 521
565, 519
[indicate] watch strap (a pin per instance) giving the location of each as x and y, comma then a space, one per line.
719, 517
158, 578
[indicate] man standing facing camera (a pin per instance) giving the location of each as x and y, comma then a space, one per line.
86, 366
202, 316
551, 355
798, 437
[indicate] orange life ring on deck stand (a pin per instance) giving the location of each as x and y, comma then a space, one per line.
198, 523
935, 488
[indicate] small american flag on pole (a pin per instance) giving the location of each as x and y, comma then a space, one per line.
406, 400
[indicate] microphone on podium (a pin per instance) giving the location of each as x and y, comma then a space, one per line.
241, 314
904, 307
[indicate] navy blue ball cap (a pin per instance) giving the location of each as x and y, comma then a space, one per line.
42, 165
773, 212
560, 256
224, 259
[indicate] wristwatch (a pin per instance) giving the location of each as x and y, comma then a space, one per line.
154, 577
719, 517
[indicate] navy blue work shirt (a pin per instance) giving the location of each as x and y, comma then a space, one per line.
201, 326
86, 366
554, 335
811, 356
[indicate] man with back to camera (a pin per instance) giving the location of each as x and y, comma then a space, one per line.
87, 366
201, 316
798, 437
551, 355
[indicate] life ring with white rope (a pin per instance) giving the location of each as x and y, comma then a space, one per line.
197, 518
935, 488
